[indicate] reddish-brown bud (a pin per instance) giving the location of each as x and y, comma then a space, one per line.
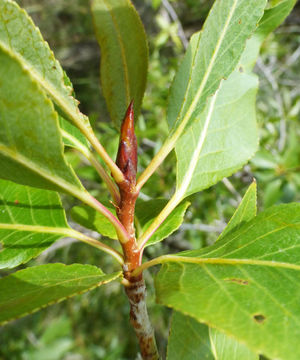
127, 153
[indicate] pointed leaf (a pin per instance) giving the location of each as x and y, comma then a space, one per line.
212, 56
147, 211
31, 149
227, 348
124, 55
29, 290
95, 221
244, 213
246, 284
30, 221
188, 340
222, 139
19, 36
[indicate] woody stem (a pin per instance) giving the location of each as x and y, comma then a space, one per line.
134, 285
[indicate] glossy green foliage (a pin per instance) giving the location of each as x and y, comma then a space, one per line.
146, 212
30, 221
31, 148
29, 290
245, 284
124, 55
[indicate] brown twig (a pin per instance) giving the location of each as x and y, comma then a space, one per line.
134, 286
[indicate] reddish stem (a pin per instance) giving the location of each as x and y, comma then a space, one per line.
135, 289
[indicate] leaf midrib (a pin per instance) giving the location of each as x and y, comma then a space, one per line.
194, 159
207, 73
166, 259
69, 188
37, 228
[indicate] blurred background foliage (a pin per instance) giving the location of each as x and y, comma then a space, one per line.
95, 325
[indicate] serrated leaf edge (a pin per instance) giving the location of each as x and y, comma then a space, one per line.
116, 276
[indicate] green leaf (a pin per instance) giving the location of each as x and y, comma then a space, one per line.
244, 213
147, 211
30, 221
212, 56
188, 340
244, 285
29, 290
124, 55
72, 136
191, 340
221, 139
272, 192
95, 221
21, 38
271, 19
31, 149
227, 348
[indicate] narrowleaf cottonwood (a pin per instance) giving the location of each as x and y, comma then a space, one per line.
239, 293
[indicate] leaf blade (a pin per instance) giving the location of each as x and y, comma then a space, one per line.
223, 38
17, 34
29, 290
271, 19
95, 221
249, 280
223, 138
227, 348
147, 211
31, 220
124, 55
245, 212
188, 339
31, 149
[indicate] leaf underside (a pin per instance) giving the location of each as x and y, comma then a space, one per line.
211, 57
188, 340
222, 139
